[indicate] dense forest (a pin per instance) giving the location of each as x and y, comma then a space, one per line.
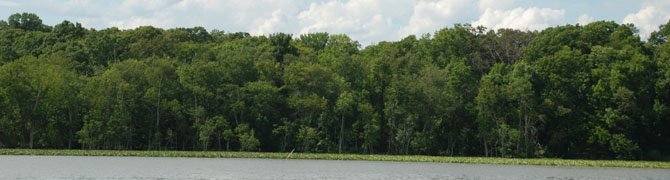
592, 91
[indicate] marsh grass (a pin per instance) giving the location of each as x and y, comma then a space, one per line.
364, 157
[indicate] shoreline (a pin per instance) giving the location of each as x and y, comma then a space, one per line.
364, 157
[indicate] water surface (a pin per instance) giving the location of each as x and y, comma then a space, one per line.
98, 167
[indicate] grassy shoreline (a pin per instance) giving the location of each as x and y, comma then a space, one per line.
366, 157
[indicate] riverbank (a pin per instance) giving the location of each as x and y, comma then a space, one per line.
365, 157
114, 167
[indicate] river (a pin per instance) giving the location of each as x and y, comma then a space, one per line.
100, 167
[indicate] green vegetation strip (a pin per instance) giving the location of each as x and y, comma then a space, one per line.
413, 158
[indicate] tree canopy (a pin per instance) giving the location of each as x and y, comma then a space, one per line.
574, 91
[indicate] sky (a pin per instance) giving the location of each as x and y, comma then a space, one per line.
367, 21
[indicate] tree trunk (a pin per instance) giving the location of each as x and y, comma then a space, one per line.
341, 133
32, 135
486, 149
130, 138
218, 139
69, 136
149, 139
239, 98
158, 109
235, 114
525, 132
283, 144
521, 111
31, 128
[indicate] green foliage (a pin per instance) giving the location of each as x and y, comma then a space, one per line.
572, 91
315, 41
308, 137
359, 157
248, 141
660, 37
26, 21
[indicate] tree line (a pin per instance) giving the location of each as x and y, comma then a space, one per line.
573, 91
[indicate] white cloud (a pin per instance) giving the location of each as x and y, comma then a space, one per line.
649, 17
431, 15
144, 5
495, 4
134, 22
71, 8
521, 18
134, 13
584, 19
9, 4
366, 20
267, 26
258, 17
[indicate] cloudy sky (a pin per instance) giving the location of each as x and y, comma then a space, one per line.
368, 21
